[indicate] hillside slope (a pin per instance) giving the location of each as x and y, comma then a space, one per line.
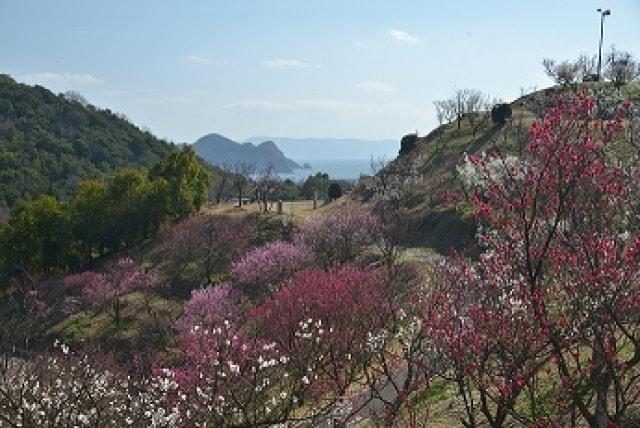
220, 151
49, 142
437, 155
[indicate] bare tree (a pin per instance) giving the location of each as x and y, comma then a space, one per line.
587, 68
267, 186
621, 67
221, 184
242, 172
467, 102
476, 110
445, 111
564, 73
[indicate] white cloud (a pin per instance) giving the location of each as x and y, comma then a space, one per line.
373, 86
203, 60
68, 79
404, 37
286, 63
358, 44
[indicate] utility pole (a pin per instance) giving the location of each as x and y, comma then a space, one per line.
603, 13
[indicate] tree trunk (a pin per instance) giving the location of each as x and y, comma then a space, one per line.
601, 379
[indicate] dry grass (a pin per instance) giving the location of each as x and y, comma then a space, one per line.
300, 210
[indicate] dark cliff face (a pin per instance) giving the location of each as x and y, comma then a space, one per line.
219, 150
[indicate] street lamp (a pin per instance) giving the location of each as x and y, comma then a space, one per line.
603, 13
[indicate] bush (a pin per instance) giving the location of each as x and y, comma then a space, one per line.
500, 113
408, 143
335, 191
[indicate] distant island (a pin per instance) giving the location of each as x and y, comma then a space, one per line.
222, 151
310, 149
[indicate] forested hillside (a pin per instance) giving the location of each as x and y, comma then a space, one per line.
49, 142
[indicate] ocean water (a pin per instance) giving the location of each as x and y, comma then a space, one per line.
343, 169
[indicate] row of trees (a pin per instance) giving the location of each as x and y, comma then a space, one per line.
46, 235
265, 186
619, 67
469, 104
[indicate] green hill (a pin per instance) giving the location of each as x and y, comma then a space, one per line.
49, 142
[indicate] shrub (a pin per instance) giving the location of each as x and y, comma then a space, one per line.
500, 113
408, 143
335, 191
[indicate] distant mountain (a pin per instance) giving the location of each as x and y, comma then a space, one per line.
308, 149
219, 150
49, 142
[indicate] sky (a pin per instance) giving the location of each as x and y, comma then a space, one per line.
365, 69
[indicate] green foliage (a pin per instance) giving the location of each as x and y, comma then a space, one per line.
37, 237
187, 182
315, 183
408, 143
49, 142
500, 113
290, 190
44, 235
335, 191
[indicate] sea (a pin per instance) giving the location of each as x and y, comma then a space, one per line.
339, 169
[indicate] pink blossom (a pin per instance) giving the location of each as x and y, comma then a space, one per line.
264, 269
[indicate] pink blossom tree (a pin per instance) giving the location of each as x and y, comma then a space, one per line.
201, 247
264, 269
108, 289
340, 235
208, 308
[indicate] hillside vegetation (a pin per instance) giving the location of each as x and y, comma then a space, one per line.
49, 142
434, 160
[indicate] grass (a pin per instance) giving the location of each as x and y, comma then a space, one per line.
99, 324
292, 209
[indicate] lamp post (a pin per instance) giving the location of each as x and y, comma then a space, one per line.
603, 13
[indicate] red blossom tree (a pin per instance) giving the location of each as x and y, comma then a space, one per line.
558, 284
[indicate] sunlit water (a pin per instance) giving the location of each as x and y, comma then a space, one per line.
343, 169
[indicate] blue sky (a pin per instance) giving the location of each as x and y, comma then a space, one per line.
313, 68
